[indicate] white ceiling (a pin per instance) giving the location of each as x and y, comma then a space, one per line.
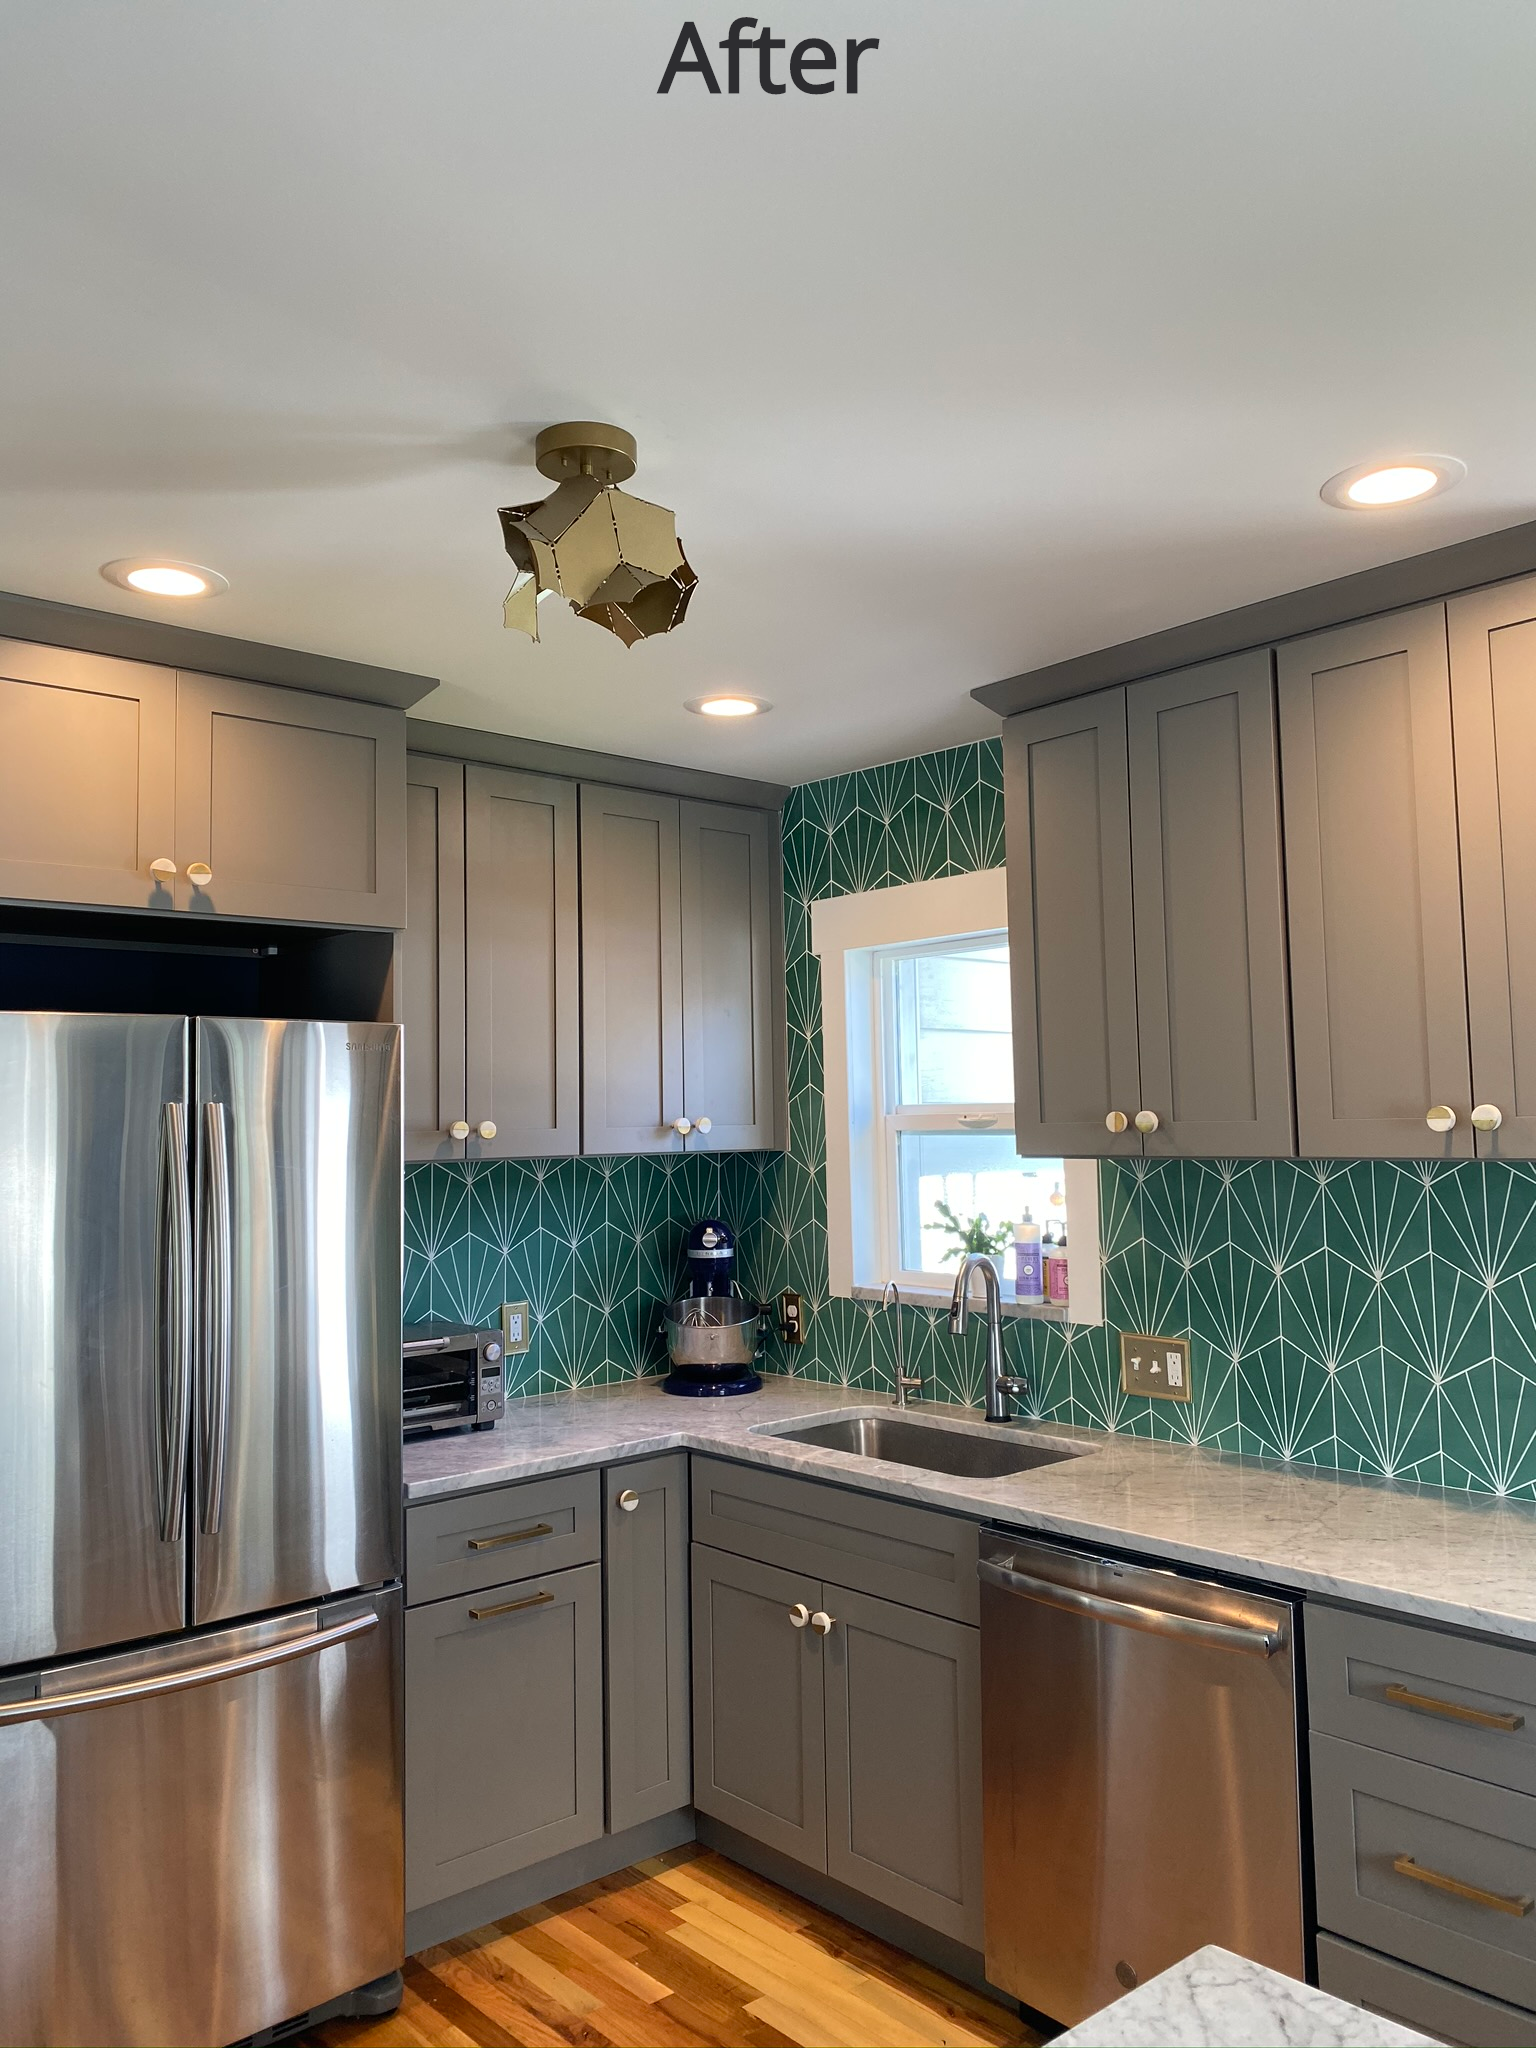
1046, 339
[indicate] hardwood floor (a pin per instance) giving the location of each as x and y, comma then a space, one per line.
684, 1951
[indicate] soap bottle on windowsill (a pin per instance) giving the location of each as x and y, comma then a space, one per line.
1055, 1259
1028, 1273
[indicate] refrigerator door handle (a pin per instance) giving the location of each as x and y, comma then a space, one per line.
174, 1420
216, 1345
190, 1675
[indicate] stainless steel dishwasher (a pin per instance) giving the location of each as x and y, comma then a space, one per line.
1139, 1765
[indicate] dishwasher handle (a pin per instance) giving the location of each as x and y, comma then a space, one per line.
1254, 1641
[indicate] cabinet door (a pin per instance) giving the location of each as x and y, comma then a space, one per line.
759, 1739
503, 1731
645, 1557
432, 966
631, 972
732, 983
1210, 924
1493, 691
1378, 986
296, 803
523, 952
903, 1705
87, 777
1067, 804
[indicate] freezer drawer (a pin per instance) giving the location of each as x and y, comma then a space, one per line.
1139, 1765
204, 1839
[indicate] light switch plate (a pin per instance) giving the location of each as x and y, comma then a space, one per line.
1158, 1366
791, 1317
516, 1333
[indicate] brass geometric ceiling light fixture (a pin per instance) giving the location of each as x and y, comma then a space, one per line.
613, 557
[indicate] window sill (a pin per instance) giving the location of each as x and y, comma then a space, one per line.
940, 1298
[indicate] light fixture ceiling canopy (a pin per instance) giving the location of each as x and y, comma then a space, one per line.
615, 558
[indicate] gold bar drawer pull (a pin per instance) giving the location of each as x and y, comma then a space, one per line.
513, 1536
1497, 1902
1453, 1710
545, 1600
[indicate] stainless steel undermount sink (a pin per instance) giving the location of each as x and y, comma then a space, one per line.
904, 1442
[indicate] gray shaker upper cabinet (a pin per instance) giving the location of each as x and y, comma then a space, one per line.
1377, 975
1209, 911
632, 971
680, 959
729, 863
1493, 690
1066, 796
87, 778
432, 955
288, 805
523, 948
491, 964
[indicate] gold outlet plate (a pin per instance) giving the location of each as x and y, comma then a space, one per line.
516, 1332
1156, 1366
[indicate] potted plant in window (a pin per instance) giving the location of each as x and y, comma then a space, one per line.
976, 1234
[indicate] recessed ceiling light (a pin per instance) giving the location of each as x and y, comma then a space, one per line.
151, 576
729, 704
1373, 486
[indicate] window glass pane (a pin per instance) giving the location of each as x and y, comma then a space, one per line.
977, 1173
953, 1027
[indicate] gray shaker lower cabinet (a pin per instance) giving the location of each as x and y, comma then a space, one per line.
1415, 1999
903, 1716
645, 1557
759, 1747
503, 1730
857, 1751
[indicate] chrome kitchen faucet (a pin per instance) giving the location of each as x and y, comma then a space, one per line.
1001, 1388
890, 1297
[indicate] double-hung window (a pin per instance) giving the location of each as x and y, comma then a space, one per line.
922, 1160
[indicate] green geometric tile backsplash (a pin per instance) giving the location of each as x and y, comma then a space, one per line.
1374, 1316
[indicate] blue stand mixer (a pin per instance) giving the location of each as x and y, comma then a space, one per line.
714, 1337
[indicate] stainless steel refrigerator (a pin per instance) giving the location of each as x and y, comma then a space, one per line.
200, 1523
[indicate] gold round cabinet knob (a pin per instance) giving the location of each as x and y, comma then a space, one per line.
1441, 1118
799, 1614
458, 1132
199, 874
682, 1125
487, 1130
1487, 1117
163, 870
703, 1125
1147, 1121
629, 1500
1117, 1121
822, 1622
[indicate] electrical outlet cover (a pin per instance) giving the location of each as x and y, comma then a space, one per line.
1155, 1366
516, 1334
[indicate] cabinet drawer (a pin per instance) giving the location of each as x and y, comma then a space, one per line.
476, 1540
912, 1555
1420, 1692
1420, 1863
1447, 2011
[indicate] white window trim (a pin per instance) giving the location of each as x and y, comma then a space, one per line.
848, 933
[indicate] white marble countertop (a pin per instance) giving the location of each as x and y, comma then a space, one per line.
1214, 1999
1468, 1560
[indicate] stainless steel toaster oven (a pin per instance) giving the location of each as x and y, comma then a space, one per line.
452, 1378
